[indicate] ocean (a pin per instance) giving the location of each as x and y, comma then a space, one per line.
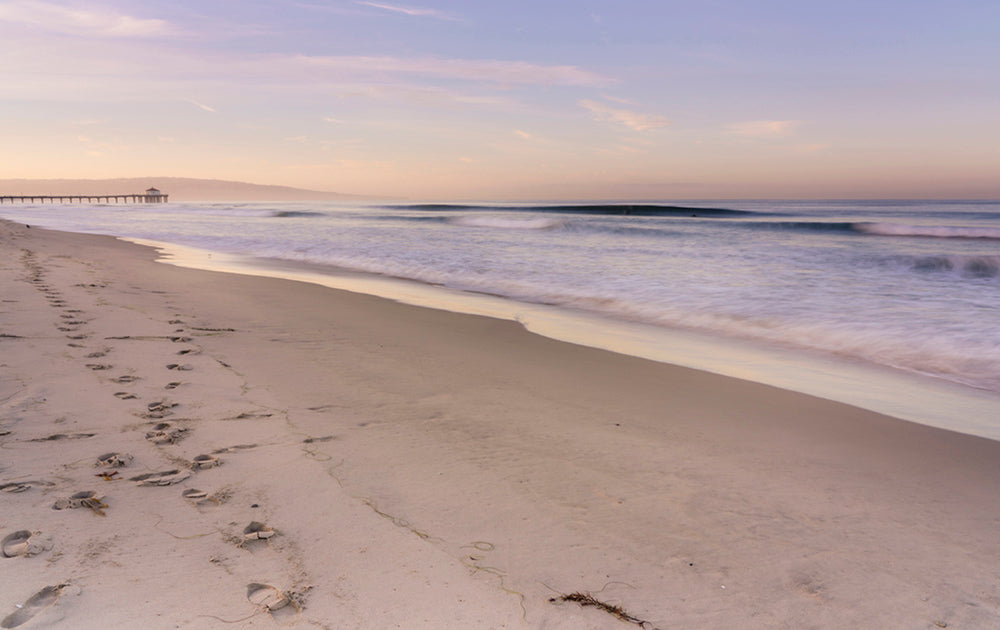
890, 305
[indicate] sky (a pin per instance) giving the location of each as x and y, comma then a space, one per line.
519, 99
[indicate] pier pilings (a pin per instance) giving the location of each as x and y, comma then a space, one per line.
134, 198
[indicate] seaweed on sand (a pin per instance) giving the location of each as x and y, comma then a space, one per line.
586, 599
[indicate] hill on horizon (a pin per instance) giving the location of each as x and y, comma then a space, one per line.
178, 188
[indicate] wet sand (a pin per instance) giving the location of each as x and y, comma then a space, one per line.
292, 455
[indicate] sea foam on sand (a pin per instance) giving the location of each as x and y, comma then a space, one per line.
194, 449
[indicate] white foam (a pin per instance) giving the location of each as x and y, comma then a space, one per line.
507, 223
935, 231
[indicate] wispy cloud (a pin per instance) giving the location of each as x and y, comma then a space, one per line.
496, 71
79, 20
763, 128
615, 99
202, 106
523, 134
414, 11
632, 119
403, 91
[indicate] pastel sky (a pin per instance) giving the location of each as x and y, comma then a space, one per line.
512, 99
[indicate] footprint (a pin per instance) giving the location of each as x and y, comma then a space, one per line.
179, 368
267, 597
202, 499
193, 494
157, 410
63, 436
311, 440
188, 351
21, 543
173, 385
35, 604
114, 460
125, 395
203, 462
97, 355
16, 544
232, 449
165, 433
21, 486
162, 478
321, 408
256, 531
99, 366
86, 498
180, 339
249, 415
126, 379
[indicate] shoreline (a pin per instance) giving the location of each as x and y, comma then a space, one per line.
929, 401
420, 468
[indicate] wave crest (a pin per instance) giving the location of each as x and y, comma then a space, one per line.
932, 231
507, 223
969, 266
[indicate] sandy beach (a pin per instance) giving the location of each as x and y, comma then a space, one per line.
193, 449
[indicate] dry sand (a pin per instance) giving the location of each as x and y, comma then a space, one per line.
387, 466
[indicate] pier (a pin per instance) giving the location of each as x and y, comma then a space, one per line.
151, 195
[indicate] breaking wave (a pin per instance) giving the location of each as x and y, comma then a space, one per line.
639, 210
507, 223
967, 266
932, 231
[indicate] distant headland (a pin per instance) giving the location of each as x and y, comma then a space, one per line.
178, 188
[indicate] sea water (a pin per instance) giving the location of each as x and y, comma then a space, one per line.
878, 290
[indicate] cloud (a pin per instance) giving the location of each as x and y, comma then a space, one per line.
615, 99
517, 72
523, 134
79, 21
414, 11
202, 105
763, 128
634, 120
